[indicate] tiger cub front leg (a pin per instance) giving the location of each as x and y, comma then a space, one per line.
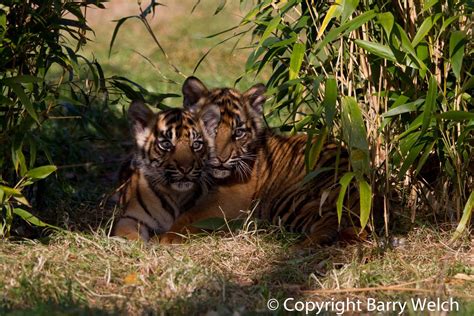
208, 208
181, 227
130, 229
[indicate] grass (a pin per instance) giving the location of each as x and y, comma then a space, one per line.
183, 36
89, 273
82, 271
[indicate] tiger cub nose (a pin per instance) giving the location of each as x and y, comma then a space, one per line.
184, 169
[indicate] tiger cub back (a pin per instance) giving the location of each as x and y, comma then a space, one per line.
165, 175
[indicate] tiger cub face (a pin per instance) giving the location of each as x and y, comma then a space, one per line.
238, 125
170, 148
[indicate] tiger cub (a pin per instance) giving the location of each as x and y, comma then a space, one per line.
257, 170
165, 175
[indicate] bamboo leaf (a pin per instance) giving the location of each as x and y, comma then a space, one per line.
457, 44
40, 172
296, 60
30, 218
387, 20
457, 115
365, 195
377, 49
24, 99
344, 182
355, 135
466, 216
410, 159
425, 27
430, 103
404, 108
315, 150
329, 102
333, 12
346, 28
272, 25
117, 28
348, 7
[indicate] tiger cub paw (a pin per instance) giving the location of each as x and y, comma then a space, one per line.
171, 238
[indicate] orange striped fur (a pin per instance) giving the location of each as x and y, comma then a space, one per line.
165, 176
257, 169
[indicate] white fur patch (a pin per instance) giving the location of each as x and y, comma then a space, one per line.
220, 174
183, 186
142, 136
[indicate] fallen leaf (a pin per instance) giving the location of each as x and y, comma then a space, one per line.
131, 279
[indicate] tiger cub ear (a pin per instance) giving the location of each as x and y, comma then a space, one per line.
256, 97
210, 117
140, 116
193, 90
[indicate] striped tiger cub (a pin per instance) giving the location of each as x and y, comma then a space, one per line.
255, 169
165, 175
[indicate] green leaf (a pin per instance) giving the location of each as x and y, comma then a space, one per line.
329, 102
40, 172
466, 216
348, 7
377, 49
457, 115
25, 100
424, 157
365, 195
386, 19
296, 60
344, 182
117, 28
355, 135
430, 103
22, 79
30, 218
8, 192
315, 150
425, 28
333, 12
457, 44
404, 108
346, 28
272, 25
410, 159
428, 4
408, 48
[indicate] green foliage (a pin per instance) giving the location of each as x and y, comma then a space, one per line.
39, 74
392, 80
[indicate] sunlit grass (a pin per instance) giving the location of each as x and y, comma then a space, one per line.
183, 36
91, 272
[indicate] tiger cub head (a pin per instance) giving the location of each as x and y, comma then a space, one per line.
170, 148
238, 125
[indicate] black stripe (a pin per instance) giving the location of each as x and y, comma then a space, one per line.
142, 203
138, 221
164, 203
167, 206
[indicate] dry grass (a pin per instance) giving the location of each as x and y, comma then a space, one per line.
96, 274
